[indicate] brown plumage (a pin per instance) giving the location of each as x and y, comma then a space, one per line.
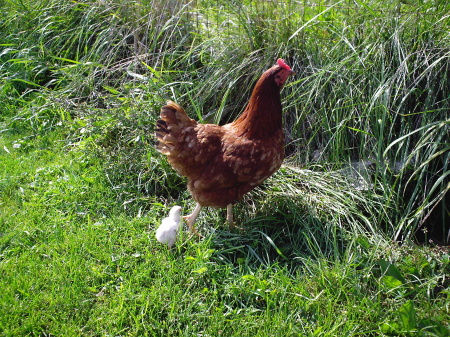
222, 163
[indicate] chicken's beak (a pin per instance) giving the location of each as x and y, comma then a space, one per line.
291, 72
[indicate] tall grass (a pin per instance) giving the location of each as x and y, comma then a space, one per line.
372, 86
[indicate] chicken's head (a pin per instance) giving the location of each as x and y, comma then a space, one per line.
175, 213
282, 73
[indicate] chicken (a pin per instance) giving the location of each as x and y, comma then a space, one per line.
222, 163
168, 230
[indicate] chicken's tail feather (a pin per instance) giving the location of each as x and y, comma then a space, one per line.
171, 127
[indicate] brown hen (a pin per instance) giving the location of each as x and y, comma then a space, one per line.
222, 163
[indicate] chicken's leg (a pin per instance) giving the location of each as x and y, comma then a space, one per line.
230, 220
192, 217
230, 216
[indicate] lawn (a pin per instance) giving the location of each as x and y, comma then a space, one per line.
348, 238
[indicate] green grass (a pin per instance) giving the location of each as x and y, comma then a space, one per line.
333, 241
73, 263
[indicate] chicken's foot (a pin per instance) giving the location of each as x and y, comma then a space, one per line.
192, 217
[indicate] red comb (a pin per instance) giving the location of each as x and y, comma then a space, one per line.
282, 64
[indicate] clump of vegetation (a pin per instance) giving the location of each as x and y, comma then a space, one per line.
82, 189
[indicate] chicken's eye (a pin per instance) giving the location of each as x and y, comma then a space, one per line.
279, 79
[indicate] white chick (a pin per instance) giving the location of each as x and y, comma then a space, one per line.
167, 232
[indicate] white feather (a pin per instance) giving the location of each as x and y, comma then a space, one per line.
167, 232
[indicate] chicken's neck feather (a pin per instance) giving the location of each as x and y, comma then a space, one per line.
262, 117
